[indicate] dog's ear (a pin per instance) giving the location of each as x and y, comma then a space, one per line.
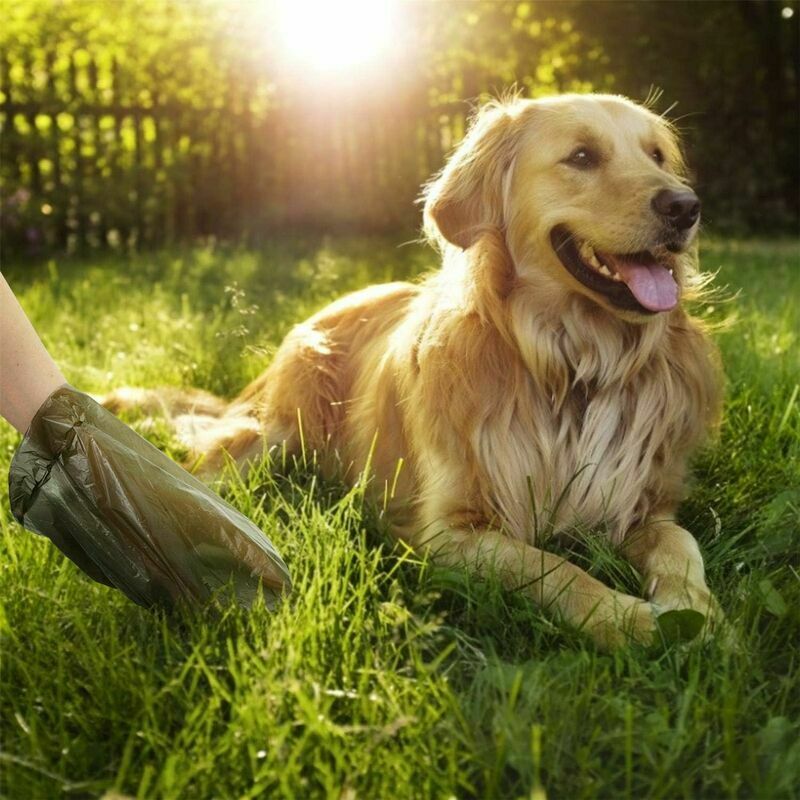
467, 196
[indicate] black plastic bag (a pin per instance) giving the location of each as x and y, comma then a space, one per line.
129, 516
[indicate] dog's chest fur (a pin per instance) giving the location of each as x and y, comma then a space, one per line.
585, 460
598, 431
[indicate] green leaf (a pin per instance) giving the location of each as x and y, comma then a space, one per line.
773, 600
680, 625
780, 522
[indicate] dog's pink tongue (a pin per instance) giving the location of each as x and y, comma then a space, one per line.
651, 284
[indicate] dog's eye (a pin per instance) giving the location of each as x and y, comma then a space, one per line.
658, 156
582, 158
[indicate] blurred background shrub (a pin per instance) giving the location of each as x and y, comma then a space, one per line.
145, 122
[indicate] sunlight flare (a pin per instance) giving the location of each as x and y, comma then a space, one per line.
336, 36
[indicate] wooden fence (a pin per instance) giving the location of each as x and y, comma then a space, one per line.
82, 165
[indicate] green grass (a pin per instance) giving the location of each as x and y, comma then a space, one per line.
381, 677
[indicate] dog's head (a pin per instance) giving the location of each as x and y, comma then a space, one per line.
589, 191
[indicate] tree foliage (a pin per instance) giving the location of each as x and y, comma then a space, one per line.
149, 120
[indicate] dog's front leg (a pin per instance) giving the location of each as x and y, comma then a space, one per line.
669, 560
611, 618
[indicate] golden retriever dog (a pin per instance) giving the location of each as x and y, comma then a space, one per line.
548, 370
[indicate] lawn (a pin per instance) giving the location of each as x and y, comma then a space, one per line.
382, 677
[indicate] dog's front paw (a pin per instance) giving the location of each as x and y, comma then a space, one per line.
670, 593
624, 621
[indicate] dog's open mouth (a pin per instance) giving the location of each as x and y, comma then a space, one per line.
631, 281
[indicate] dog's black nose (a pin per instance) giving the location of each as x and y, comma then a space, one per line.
679, 208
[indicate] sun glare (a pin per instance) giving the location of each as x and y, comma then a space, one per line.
336, 34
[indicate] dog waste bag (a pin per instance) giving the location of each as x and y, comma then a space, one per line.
129, 516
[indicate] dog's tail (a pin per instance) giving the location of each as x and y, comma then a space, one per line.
208, 426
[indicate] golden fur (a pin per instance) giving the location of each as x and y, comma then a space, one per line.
518, 400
